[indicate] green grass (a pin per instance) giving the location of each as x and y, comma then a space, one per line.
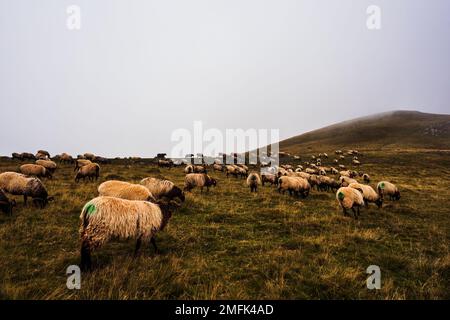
231, 244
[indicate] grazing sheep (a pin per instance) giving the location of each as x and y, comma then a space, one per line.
6, 205
310, 171
125, 190
334, 171
80, 163
42, 154
47, 164
341, 166
294, 185
90, 171
35, 170
338, 152
165, 163
230, 169
356, 163
253, 180
101, 160
189, 169
385, 188
163, 188
368, 193
27, 156
89, 156
346, 173
106, 218
270, 178
366, 177
17, 156
242, 171
200, 180
300, 174
200, 169
20, 185
65, 158
217, 167
350, 198
345, 181
314, 181
327, 183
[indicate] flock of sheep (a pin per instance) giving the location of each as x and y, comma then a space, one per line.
126, 210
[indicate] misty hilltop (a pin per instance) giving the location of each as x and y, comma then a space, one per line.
388, 130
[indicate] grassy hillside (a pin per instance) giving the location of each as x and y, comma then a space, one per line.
391, 130
231, 244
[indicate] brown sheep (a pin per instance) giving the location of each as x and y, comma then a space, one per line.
90, 171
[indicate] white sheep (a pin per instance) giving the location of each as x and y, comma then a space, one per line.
368, 193
163, 188
386, 188
106, 218
20, 185
253, 181
350, 198
125, 190
200, 180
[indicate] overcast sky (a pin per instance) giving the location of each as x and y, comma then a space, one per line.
138, 70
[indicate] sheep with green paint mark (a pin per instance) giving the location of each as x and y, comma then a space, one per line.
386, 188
350, 198
106, 218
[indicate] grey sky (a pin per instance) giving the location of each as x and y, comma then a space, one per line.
137, 70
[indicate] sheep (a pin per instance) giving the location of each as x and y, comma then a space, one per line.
189, 169
89, 156
101, 160
125, 190
350, 198
327, 183
106, 218
35, 170
294, 185
270, 178
334, 171
80, 163
20, 185
65, 158
314, 181
242, 171
27, 156
200, 169
282, 172
300, 174
6, 205
47, 164
368, 193
217, 167
366, 177
345, 181
338, 152
165, 163
356, 162
310, 171
90, 171
17, 156
229, 169
389, 189
341, 166
201, 180
42, 154
325, 155
253, 180
163, 188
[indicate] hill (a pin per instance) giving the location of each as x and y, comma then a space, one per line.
383, 131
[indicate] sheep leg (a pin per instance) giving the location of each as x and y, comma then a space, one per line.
85, 263
25, 199
137, 247
354, 213
153, 241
